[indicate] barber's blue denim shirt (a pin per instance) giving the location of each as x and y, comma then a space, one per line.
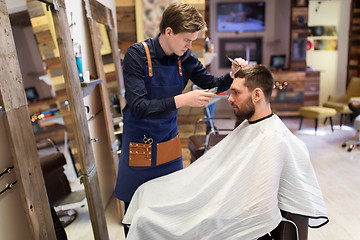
135, 64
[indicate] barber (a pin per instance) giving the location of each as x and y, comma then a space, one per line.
155, 74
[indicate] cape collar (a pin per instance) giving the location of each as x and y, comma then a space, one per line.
259, 120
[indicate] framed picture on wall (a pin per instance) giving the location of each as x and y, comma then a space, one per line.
321, 31
247, 48
325, 44
148, 17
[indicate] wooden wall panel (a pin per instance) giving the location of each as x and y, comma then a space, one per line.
126, 25
354, 41
302, 90
298, 32
126, 14
124, 3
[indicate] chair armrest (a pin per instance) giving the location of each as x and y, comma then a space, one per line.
214, 138
203, 120
45, 142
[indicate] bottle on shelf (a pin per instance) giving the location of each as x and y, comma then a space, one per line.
78, 58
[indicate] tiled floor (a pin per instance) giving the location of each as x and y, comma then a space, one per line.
337, 171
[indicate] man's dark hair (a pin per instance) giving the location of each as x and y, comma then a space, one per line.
182, 18
257, 76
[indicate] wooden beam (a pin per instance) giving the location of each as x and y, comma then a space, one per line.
39, 24
30, 182
79, 122
96, 44
97, 12
35, 9
117, 62
53, 63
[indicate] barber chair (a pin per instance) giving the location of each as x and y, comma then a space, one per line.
59, 192
354, 142
340, 102
292, 227
198, 144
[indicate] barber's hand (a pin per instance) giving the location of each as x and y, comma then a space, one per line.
234, 68
196, 98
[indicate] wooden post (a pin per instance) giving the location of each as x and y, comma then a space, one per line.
117, 59
96, 44
79, 121
98, 13
29, 178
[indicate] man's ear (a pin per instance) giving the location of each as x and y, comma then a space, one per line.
168, 31
258, 94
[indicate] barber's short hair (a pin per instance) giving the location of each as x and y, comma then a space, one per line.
257, 76
182, 18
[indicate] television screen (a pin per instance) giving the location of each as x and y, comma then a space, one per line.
248, 48
241, 17
31, 94
277, 61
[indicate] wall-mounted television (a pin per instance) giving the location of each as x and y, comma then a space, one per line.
240, 16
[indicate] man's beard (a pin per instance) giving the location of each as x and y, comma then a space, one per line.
246, 113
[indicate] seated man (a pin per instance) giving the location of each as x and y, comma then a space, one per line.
237, 189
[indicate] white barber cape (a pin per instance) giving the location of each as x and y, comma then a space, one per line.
234, 191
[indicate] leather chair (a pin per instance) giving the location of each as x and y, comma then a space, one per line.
293, 227
57, 185
198, 144
340, 102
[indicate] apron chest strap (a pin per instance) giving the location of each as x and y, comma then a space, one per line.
149, 61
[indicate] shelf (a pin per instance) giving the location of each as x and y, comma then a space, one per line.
88, 87
54, 119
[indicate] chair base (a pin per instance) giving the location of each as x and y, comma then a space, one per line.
67, 216
352, 143
295, 227
65, 208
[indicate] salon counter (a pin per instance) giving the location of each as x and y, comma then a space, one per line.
293, 90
